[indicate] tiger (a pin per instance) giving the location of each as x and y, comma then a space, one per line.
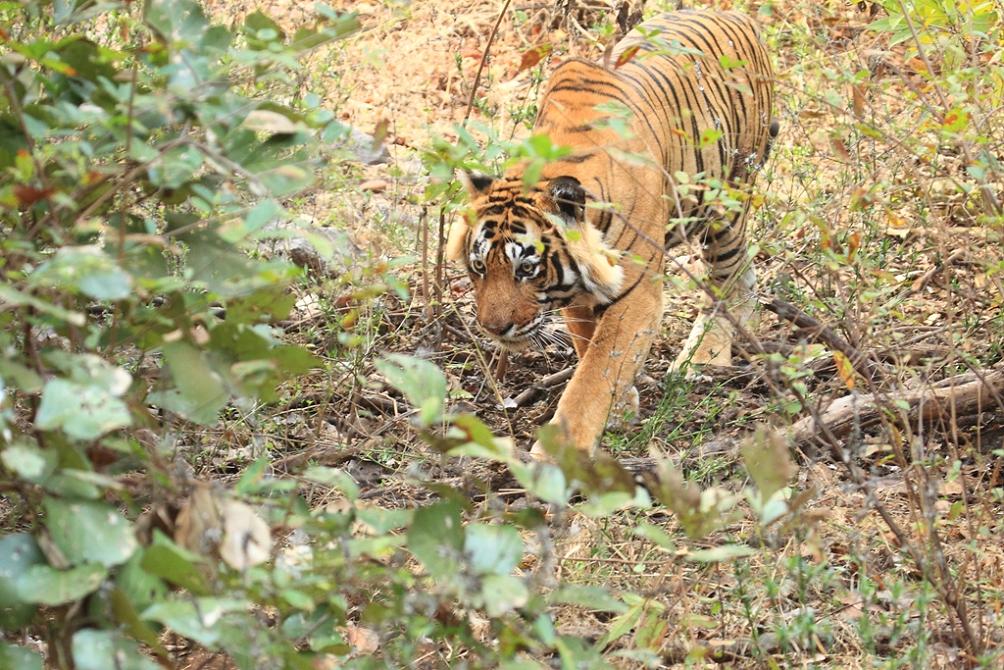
588, 238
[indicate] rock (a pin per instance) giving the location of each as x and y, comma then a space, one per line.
365, 147
374, 185
309, 308
323, 251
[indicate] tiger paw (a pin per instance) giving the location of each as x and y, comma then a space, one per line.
538, 454
709, 344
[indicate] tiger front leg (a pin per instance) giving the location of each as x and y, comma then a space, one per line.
622, 340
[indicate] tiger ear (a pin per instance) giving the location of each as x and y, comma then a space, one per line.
456, 241
477, 184
570, 197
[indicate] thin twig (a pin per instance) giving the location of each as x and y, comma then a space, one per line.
546, 384
440, 259
823, 333
484, 58
423, 234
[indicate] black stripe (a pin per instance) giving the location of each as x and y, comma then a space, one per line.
649, 97
600, 309
676, 106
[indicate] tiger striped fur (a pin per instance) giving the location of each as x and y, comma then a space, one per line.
590, 237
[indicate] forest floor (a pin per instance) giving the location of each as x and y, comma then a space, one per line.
854, 231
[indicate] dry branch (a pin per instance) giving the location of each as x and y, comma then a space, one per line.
547, 383
484, 59
820, 332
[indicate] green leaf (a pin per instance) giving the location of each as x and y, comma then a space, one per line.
86, 270
62, 10
142, 588
768, 461
522, 664
19, 376
262, 215
252, 478
623, 623
656, 535
11, 296
709, 136
86, 58
476, 431
224, 269
492, 549
273, 122
382, 521
422, 383
89, 531
605, 504
29, 462
286, 179
261, 30
176, 167
319, 628
91, 370
13, 657
174, 564
436, 538
334, 477
200, 393
196, 618
503, 593
17, 554
729, 63
593, 598
177, 21
544, 480
104, 649
298, 599
47, 586
82, 411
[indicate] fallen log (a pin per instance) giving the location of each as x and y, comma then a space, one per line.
960, 396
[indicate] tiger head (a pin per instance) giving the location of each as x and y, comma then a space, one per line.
529, 251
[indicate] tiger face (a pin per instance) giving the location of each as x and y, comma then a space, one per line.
516, 248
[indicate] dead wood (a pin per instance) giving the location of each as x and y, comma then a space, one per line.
959, 396
547, 383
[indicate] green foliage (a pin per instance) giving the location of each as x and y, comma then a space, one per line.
13, 656
139, 173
